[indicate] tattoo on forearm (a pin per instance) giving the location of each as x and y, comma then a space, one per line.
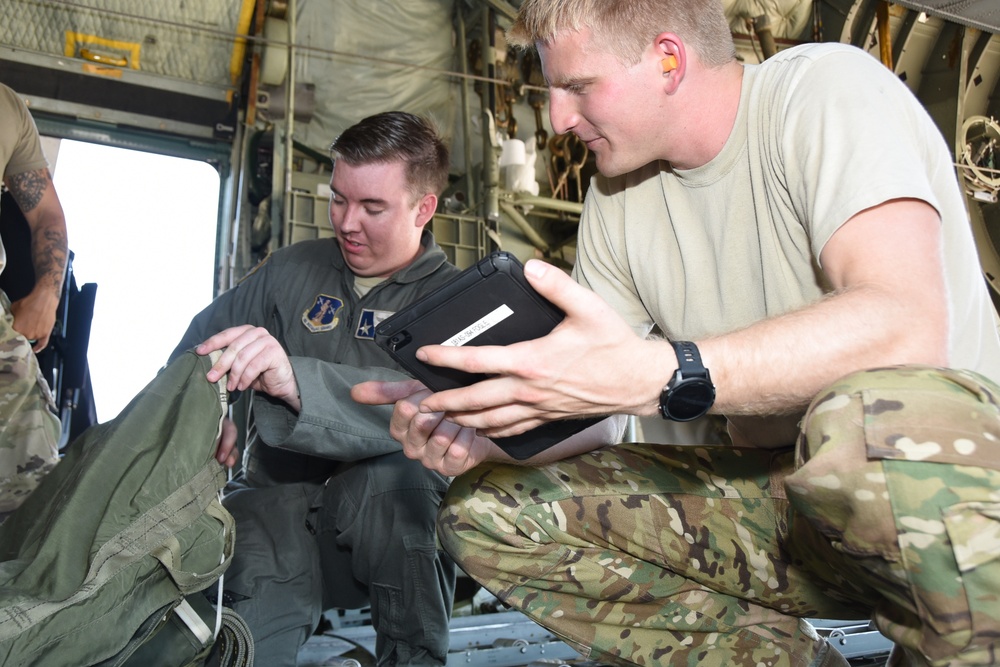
28, 188
49, 256
48, 237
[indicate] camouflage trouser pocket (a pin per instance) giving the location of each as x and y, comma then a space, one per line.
19, 370
974, 530
29, 428
899, 468
950, 551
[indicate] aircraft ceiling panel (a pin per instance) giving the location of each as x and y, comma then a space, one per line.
165, 66
192, 41
981, 14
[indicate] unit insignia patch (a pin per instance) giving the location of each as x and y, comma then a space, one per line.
322, 315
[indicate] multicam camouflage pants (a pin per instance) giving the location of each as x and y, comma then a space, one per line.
29, 428
888, 508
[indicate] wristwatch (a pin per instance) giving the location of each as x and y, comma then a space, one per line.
690, 392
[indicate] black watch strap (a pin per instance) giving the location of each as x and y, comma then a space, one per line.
689, 359
690, 392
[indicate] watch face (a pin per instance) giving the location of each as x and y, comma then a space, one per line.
690, 399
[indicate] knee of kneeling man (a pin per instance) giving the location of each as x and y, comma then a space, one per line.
475, 511
452, 514
907, 378
901, 390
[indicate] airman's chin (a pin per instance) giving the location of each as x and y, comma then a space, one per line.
609, 168
356, 262
362, 269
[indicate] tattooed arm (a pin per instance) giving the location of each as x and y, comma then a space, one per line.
35, 314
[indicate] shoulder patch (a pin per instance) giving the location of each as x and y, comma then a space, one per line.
322, 314
368, 321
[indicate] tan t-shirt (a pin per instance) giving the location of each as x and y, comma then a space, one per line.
705, 251
20, 148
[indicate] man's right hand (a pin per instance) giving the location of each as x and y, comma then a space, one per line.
437, 443
226, 451
253, 359
442, 445
35, 317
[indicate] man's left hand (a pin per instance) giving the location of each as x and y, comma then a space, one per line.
592, 363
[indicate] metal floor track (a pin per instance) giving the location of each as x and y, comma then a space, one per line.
510, 639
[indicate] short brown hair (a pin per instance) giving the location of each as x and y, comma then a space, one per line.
398, 136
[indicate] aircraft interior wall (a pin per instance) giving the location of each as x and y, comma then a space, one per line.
218, 79
260, 88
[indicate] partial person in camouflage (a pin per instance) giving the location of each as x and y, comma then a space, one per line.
29, 427
800, 223
756, 538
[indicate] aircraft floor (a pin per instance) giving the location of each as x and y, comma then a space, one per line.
509, 639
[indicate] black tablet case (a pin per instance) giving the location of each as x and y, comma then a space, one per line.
462, 308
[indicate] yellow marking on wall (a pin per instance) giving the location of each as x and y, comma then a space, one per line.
102, 70
76, 39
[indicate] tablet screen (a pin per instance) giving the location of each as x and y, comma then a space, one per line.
490, 303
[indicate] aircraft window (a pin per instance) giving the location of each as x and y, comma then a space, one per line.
143, 227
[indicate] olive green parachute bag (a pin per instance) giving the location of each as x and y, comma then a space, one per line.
106, 555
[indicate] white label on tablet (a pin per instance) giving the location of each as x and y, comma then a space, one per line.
489, 321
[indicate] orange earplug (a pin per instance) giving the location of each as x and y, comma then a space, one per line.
669, 64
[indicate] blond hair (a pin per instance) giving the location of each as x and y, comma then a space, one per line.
627, 27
